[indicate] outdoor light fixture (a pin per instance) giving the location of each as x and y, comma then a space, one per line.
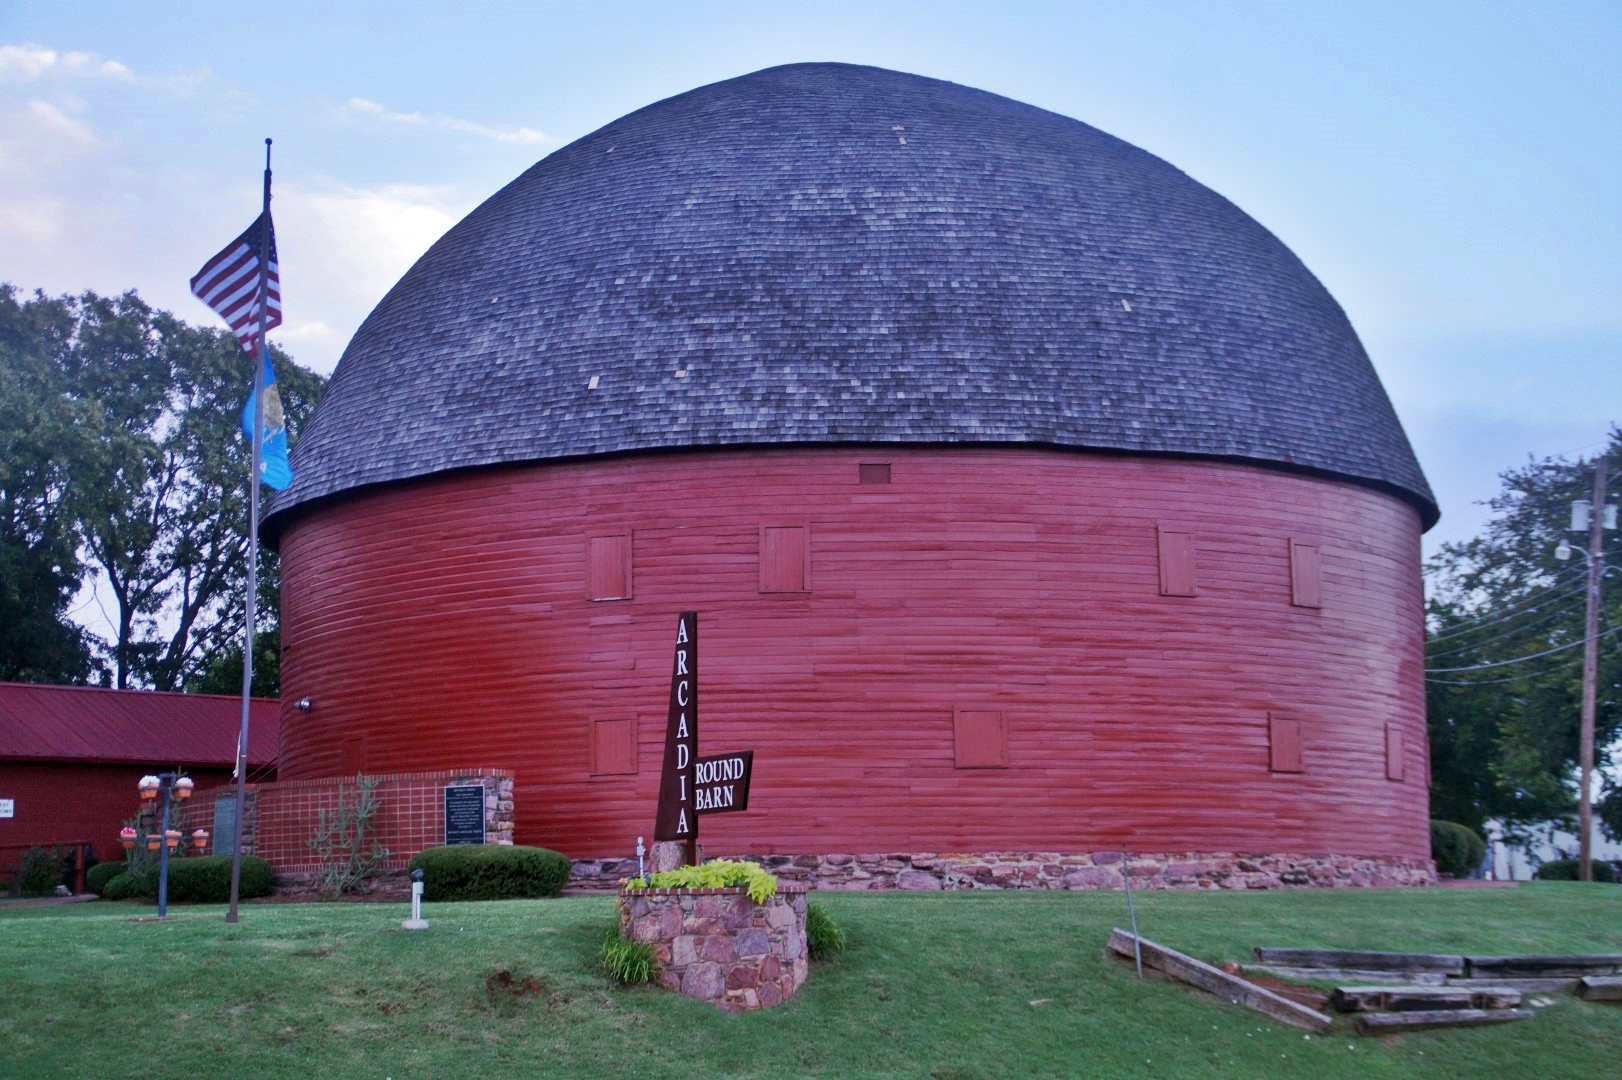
303, 704
166, 839
1562, 550
416, 922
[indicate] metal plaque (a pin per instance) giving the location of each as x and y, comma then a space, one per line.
464, 814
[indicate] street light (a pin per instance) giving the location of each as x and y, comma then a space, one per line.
1584, 517
162, 786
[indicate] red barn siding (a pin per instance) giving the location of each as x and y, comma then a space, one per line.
447, 621
62, 802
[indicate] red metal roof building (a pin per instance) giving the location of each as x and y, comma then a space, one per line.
70, 756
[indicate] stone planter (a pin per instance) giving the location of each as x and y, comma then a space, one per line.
717, 945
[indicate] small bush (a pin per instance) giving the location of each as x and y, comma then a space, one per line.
627, 962
206, 879
97, 877
39, 871
124, 886
1457, 849
715, 874
824, 938
490, 872
1566, 870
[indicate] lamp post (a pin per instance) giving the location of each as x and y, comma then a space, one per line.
1596, 517
164, 786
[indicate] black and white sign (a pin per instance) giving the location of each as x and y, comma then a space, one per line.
721, 784
464, 814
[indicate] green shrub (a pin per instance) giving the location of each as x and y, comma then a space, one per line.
627, 962
1457, 849
124, 886
715, 874
824, 938
97, 877
206, 879
490, 872
1566, 870
39, 871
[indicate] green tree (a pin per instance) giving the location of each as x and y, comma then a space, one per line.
159, 488
1504, 721
40, 443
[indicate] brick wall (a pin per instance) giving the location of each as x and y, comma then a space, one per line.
283, 817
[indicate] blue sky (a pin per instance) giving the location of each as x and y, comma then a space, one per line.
1449, 171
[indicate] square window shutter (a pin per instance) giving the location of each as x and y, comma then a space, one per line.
1393, 752
784, 558
608, 567
613, 747
1306, 589
874, 473
1284, 736
1176, 562
980, 738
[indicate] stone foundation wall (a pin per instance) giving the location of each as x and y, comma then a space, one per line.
1043, 870
717, 945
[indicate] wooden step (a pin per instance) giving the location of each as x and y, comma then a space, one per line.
1573, 965
1600, 988
1395, 1022
1238, 990
1348, 999
1351, 960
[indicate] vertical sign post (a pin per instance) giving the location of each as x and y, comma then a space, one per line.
678, 813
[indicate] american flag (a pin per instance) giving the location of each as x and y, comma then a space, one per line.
229, 283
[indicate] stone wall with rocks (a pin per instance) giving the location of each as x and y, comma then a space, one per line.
717, 945
1045, 870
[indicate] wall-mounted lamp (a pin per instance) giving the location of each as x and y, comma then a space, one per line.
303, 704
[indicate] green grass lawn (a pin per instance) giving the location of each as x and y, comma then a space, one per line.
933, 985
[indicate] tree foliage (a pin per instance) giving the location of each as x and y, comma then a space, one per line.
131, 465
40, 442
1504, 738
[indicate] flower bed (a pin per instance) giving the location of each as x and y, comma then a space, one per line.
718, 945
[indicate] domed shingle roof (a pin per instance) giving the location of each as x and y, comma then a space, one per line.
826, 253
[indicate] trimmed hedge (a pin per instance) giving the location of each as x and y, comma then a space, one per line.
122, 887
490, 872
1457, 849
206, 879
1566, 870
97, 877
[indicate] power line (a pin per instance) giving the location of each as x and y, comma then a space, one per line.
1523, 659
1543, 600
1510, 632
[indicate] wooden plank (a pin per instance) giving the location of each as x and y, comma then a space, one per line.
1213, 979
1443, 963
1524, 985
1348, 999
1600, 988
1574, 966
1352, 975
1393, 1023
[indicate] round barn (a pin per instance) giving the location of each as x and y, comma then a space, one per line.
1035, 502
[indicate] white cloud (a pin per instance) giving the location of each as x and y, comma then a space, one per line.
361, 107
30, 63
342, 247
66, 133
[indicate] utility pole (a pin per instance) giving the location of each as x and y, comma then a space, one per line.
1585, 803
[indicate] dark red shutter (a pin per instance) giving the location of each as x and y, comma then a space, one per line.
1284, 738
1176, 562
1306, 589
785, 564
608, 567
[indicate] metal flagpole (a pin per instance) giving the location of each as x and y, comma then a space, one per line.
253, 544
